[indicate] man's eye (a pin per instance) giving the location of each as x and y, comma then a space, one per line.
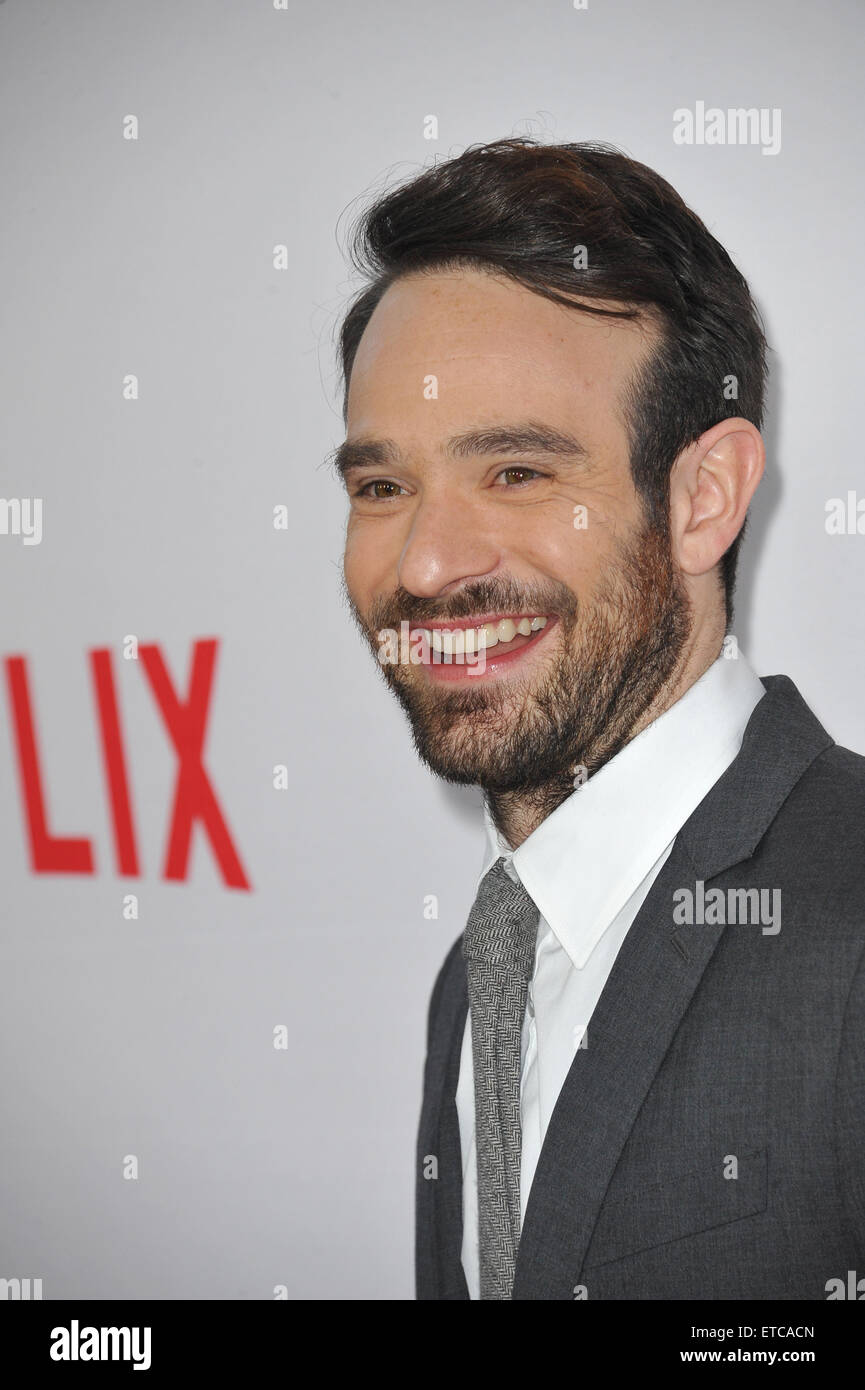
517, 474
382, 490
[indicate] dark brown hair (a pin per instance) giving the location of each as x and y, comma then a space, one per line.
521, 208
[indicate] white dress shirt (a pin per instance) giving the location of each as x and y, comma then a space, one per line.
589, 867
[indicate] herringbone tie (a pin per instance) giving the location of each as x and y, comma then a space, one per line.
499, 951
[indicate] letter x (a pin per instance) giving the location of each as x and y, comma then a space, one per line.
194, 798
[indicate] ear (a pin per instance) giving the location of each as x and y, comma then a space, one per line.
711, 486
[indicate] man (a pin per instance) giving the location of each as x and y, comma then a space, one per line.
645, 1058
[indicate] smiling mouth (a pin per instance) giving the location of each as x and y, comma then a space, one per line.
467, 645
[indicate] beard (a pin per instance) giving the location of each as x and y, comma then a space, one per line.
608, 663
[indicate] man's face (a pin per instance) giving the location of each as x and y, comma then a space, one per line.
465, 516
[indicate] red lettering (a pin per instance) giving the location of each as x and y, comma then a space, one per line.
114, 762
49, 854
194, 798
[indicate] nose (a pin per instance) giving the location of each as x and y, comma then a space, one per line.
449, 543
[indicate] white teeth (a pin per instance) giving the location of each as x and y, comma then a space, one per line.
471, 640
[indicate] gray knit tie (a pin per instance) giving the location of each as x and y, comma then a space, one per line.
499, 951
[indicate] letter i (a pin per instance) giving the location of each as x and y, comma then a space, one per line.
114, 760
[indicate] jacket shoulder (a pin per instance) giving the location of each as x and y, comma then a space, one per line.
815, 849
829, 799
844, 770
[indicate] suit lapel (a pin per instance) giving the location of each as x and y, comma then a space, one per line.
439, 1231
450, 1191
648, 991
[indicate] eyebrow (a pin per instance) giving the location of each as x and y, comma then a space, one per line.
528, 438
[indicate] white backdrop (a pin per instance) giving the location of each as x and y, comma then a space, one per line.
153, 1037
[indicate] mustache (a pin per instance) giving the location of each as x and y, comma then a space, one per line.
486, 596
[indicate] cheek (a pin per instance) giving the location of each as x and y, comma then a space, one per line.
352, 560
569, 548
367, 564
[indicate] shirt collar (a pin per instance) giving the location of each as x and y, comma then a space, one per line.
583, 863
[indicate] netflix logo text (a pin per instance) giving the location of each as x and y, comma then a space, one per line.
195, 799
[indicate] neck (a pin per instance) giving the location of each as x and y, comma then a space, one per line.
516, 814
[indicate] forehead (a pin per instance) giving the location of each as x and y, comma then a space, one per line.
493, 347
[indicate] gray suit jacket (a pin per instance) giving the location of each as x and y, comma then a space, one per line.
710, 1043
